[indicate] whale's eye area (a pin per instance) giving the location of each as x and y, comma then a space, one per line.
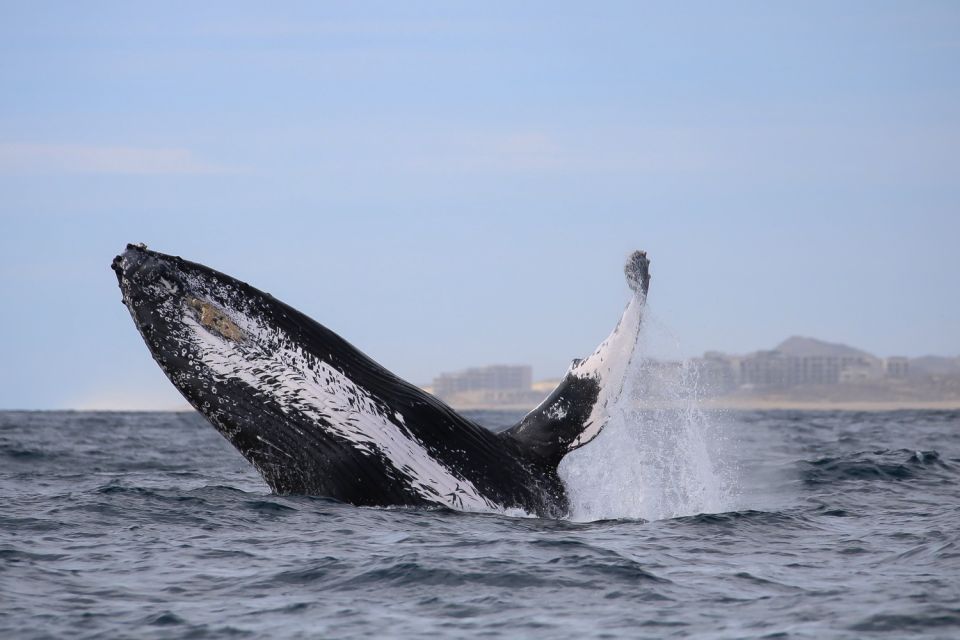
213, 318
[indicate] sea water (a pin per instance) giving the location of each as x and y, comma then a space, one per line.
810, 525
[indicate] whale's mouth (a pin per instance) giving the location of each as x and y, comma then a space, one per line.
127, 262
139, 268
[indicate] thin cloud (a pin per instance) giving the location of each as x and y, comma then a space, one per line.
664, 150
91, 159
753, 154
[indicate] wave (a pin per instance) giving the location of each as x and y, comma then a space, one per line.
25, 454
883, 465
744, 517
932, 617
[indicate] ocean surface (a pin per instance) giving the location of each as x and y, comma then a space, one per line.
149, 525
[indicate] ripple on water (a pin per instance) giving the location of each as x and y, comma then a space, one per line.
146, 525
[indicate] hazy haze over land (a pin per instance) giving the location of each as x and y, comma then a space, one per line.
448, 186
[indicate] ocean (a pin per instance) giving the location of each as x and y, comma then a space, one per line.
819, 525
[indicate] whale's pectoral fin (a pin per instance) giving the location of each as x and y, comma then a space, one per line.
561, 421
580, 406
637, 271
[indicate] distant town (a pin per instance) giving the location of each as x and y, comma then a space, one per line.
798, 373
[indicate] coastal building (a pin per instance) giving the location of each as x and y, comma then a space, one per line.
859, 373
716, 373
897, 367
798, 361
798, 368
495, 378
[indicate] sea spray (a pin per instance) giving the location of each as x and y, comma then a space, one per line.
659, 454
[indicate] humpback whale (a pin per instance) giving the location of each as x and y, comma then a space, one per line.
316, 416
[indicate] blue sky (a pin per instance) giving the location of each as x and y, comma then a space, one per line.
450, 184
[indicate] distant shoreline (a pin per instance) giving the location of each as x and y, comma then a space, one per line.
728, 404
823, 405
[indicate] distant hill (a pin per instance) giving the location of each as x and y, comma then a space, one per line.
803, 347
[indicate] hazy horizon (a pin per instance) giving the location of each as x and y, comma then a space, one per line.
450, 186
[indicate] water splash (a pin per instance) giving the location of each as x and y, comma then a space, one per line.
660, 455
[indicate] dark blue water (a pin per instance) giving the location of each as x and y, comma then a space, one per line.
152, 526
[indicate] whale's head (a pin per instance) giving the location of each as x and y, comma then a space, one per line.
231, 350
169, 296
183, 310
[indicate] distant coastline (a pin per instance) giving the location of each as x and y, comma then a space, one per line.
762, 404
800, 373
759, 404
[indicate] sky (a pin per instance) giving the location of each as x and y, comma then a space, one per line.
452, 184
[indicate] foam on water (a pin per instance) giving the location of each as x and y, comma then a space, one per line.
660, 454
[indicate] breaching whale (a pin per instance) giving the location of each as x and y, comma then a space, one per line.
315, 416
